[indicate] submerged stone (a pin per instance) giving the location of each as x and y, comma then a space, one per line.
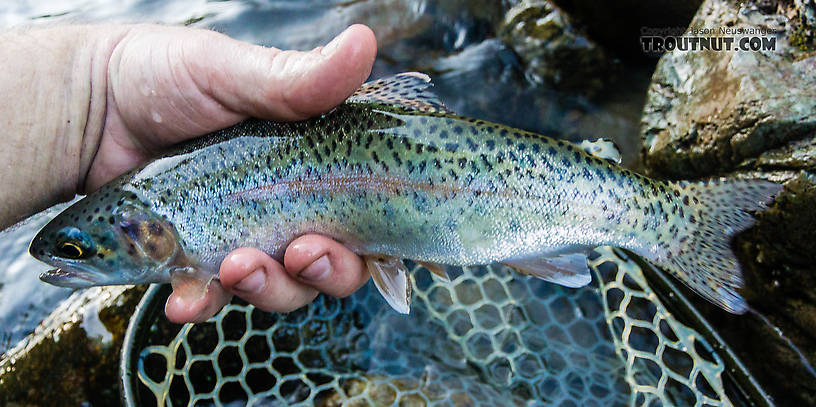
555, 49
72, 358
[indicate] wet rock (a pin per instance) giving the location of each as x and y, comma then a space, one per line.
709, 111
554, 49
752, 114
72, 358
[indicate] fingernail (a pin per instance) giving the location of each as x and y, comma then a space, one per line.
252, 283
332, 45
318, 270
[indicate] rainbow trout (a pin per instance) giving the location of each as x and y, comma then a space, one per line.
393, 174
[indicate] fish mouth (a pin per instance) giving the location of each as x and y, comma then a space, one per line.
63, 277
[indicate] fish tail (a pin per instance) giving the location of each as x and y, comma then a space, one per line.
699, 251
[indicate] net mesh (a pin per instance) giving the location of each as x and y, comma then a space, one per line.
667, 363
490, 337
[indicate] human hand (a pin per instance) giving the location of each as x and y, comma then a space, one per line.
149, 87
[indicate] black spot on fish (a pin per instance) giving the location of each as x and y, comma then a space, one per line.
486, 162
452, 147
512, 156
471, 145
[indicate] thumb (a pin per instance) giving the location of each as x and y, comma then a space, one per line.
287, 85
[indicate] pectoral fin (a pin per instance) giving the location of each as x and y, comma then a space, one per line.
392, 280
568, 269
190, 283
436, 269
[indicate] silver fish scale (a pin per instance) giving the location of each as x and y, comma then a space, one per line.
428, 187
489, 338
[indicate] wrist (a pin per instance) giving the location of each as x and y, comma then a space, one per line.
55, 80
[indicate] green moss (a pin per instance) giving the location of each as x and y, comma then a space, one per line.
803, 38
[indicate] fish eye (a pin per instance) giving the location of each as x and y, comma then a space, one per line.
71, 250
73, 243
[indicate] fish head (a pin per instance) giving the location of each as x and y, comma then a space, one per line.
107, 238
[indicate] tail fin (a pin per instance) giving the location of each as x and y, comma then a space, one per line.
714, 212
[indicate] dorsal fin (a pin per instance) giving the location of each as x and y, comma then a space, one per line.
602, 148
408, 90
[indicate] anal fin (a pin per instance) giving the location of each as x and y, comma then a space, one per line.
568, 269
392, 279
436, 269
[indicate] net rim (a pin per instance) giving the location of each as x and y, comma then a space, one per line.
145, 310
